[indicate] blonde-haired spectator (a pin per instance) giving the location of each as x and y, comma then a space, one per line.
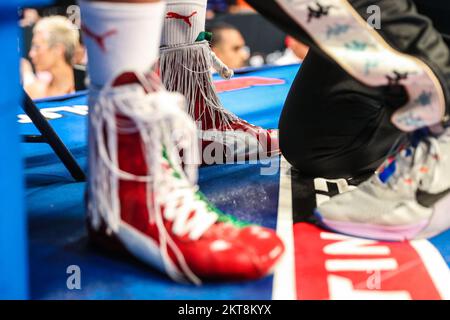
54, 43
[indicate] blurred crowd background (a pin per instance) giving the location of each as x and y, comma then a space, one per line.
54, 58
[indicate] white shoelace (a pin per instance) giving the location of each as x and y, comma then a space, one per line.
157, 123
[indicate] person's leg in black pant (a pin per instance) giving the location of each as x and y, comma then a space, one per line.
331, 124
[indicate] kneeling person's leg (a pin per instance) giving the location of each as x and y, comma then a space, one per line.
332, 125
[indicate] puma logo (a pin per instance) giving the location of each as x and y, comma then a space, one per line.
98, 38
174, 15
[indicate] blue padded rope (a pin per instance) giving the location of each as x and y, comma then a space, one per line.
13, 261
13, 238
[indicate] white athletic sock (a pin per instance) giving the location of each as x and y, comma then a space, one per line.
120, 37
183, 22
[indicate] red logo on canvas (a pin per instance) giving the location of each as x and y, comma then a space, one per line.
245, 82
98, 38
334, 266
186, 19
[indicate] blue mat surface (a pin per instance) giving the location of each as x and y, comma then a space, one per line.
57, 237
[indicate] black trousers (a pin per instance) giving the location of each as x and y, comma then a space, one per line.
332, 125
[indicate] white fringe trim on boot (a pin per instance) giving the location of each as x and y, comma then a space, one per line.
187, 69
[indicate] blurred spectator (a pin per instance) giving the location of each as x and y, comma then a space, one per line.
80, 64
227, 6
29, 17
229, 45
55, 40
218, 6
80, 55
59, 9
240, 6
295, 52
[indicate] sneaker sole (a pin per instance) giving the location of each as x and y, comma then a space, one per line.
366, 56
438, 223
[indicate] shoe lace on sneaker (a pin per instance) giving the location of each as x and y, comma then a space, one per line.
412, 163
171, 187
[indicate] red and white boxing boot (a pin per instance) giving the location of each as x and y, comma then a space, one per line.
144, 197
186, 61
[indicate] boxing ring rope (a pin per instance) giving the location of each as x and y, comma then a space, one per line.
13, 231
